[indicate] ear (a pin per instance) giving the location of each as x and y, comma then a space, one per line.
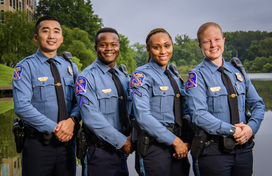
95, 47
35, 37
199, 46
147, 48
61, 39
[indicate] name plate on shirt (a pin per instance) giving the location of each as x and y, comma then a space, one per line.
106, 90
164, 88
215, 89
43, 78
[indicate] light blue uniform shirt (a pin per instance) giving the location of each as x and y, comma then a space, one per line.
153, 101
34, 94
208, 103
98, 101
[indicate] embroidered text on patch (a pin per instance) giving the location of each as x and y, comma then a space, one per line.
17, 72
192, 81
81, 86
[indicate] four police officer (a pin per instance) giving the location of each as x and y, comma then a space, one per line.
218, 94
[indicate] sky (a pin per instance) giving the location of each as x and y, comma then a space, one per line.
136, 18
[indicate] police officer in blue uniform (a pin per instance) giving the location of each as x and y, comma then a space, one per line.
46, 151
103, 110
212, 107
153, 102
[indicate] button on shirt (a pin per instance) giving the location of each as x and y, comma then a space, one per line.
154, 108
34, 93
99, 110
208, 103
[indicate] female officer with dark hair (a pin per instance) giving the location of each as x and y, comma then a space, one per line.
156, 91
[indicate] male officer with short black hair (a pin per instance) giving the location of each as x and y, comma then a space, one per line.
102, 95
43, 91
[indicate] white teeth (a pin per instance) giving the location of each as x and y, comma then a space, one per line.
163, 57
109, 54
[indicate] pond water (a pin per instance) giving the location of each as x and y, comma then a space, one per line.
10, 161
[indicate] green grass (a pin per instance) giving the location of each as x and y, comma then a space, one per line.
6, 75
5, 106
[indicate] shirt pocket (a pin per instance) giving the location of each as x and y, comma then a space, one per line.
241, 94
44, 90
217, 101
69, 88
162, 101
108, 102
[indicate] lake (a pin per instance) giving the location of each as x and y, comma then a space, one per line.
10, 161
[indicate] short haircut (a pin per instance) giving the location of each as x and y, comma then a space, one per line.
152, 32
47, 17
106, 29
203, 28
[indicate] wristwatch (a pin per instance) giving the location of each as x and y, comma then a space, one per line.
232, 130
73, 118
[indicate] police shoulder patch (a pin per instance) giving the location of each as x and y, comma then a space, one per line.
17, 72
81, 86
137, 79
192, 81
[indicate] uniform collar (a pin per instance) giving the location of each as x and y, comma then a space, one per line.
44, 58
214, 67
103, 67
156, 67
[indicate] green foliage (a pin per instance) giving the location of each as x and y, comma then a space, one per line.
253, 49
5, 75
73, 14
16, 38
126, 54
140, 55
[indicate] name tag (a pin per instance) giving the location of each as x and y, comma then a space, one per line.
106, 90
215, 89
164, 88
43, 78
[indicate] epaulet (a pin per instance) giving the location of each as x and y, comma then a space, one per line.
27, 58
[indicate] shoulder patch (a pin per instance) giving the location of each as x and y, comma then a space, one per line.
192, 81
137, 79
83, 100
17, 72
81, 86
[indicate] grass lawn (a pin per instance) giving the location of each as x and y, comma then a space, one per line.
5, 106
6, 75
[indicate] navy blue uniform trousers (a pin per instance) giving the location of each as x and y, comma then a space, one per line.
159, 161
104, 161
213, 162
51, 160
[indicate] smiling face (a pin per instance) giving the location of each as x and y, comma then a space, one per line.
160, 48
49, 37
107, 48
211, 42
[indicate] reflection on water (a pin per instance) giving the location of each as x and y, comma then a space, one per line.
10, 161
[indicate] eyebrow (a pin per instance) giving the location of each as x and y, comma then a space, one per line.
48, 28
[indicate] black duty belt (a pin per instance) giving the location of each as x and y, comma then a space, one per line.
218, 139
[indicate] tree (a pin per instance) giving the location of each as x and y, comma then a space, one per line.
16, 37
126, 54
140, 54
73, 14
